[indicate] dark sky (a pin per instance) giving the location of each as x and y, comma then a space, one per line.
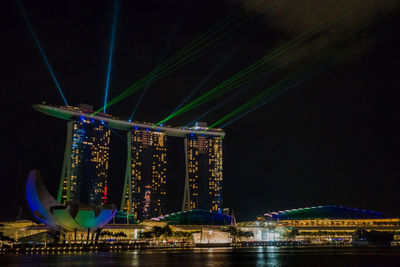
333, 139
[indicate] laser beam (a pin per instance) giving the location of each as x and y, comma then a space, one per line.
161, 57
220, 104
36, 39
273, 97
110, 54
187, 54
213, 71
226, 86
303, 73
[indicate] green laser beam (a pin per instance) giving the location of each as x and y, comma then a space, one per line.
288, 80
212, 91
158, 73
152, 76
269, 57
188, 58
155, 76
298, 81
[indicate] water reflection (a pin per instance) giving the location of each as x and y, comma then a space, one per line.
260, 256
267, 256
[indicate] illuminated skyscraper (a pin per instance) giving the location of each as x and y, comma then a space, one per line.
203, 185
85, 166
145, 178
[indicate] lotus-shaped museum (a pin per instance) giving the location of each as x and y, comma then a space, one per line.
71, 217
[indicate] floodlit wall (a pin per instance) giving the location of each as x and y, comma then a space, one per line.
211, 236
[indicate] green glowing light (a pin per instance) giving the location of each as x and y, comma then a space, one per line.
255, 68
299, 75
189, 53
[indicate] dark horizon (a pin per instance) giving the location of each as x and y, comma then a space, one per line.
331, 140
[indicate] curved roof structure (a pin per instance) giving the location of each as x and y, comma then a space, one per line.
73, 216
324, 212
70, 112
196, 217
39, 199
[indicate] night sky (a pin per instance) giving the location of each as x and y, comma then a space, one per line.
333, 139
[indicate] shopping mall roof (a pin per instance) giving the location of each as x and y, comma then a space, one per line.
196, 217
324, 212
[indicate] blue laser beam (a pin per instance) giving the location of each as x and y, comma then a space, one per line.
110, 55
218, 105
138, 102
161, 58
36, 39
115, 132
216, 68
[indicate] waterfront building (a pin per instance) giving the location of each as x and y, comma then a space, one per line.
86, 162
319, 224
315, 225
210, 236
21, 229
144, 192
69, 217
332, 217
203, 184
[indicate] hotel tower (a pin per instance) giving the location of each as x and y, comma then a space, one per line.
203, 181
144, 191
85, 165
86, 162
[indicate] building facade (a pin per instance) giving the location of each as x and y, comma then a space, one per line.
320, 225
144, 190
86, 162
203, 185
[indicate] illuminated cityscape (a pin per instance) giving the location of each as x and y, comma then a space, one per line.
144, 192
200, 133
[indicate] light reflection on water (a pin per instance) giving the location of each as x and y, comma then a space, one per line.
258, 256
267, 257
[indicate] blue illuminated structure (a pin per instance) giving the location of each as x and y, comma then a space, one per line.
28, 23
70, 217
